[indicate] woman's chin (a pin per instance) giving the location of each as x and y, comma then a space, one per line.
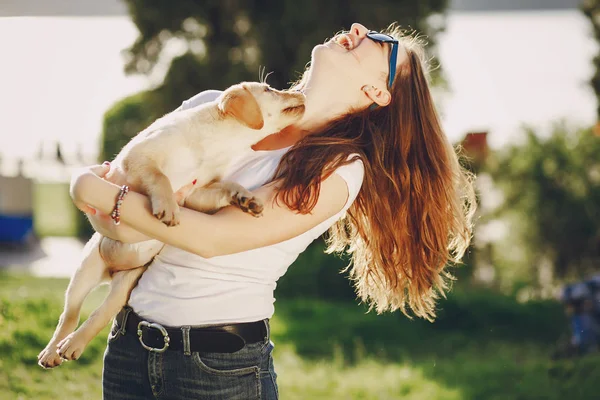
326, 54
317, 52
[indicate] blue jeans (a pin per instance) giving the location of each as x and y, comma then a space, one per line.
133, 373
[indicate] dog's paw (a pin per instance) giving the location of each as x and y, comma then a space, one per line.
49, 358
247, 203
166, 210
71, 347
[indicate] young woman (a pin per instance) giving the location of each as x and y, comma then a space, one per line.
368, 161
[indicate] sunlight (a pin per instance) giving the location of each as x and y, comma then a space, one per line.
62, 74
506, 69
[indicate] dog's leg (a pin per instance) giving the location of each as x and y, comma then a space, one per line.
121, 256
158, 187
217, 195
71, 347
90, 274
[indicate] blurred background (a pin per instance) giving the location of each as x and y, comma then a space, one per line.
516, 83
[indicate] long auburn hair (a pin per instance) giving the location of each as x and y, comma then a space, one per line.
413, 214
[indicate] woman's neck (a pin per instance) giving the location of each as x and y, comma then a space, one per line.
325, 101
321, 107
282, 139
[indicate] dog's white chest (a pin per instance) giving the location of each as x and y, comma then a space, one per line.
182, 168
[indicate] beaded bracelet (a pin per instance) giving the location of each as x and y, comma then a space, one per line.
116, 212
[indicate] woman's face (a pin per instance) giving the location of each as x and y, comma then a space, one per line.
356, 59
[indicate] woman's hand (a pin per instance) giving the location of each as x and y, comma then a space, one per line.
184, 192
76, 183
101, 222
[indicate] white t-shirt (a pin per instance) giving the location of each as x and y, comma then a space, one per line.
180, 288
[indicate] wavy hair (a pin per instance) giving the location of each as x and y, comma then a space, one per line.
413, 214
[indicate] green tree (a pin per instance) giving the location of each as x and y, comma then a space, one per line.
228, 41
231, 39
551, 193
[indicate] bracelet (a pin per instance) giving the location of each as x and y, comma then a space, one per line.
116, 212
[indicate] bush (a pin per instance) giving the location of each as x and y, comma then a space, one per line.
316, 275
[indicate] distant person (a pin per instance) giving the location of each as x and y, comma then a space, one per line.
594, 284
369, 161
579, 307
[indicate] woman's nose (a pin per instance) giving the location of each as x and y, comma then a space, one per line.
359, 30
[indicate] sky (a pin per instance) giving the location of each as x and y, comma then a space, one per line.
507, 69
504, 69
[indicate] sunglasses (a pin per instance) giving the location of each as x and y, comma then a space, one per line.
383, 38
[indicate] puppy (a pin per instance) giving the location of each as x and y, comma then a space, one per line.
199, 144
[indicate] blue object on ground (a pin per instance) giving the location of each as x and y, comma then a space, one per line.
15, 228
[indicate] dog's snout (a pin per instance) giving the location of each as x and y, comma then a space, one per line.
296, 98
296, 110
295, 104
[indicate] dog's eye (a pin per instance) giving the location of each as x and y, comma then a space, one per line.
268, 89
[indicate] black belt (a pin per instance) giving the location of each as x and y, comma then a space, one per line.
215, 339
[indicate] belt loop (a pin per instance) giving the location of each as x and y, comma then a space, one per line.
123, 321
186, 340
268, 326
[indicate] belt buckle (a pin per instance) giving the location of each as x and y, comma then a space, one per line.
158, 327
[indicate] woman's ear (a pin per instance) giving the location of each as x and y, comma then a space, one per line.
381, 97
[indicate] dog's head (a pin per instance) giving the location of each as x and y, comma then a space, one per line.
258, 106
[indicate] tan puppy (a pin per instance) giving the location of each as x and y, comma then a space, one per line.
198, 143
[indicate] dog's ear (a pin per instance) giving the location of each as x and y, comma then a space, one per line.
241, 104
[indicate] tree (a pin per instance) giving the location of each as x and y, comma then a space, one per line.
552, 197
228, 40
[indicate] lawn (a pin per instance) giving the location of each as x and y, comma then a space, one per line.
54, 212
482, 347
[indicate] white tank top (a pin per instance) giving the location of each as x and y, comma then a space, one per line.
180, 288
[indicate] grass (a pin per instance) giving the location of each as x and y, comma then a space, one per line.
54, 212
482, 347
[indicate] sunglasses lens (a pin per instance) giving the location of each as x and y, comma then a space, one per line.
380, 37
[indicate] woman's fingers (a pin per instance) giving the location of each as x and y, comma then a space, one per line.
100, 170
85, 208
184, 192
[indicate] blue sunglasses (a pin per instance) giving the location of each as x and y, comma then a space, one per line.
383, 38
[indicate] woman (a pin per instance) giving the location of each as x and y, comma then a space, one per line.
368, 160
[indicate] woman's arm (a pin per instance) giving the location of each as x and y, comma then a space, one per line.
103, 223
228, 231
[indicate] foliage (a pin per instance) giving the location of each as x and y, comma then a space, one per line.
226, 42
552, 191
486, 346
122, 122
231, 39
316, 275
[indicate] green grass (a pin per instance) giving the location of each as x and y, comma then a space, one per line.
483, 347
54, 212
